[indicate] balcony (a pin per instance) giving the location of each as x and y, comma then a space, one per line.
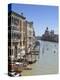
15, 40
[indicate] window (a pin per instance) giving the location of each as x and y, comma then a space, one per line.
30, 32
15, 35
14, 20
14, 28
20, 43
20, 25
18, 51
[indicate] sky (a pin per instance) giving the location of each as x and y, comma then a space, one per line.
42, 16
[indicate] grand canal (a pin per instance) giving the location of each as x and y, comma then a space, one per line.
47, 62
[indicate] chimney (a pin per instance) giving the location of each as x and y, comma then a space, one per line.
22, 14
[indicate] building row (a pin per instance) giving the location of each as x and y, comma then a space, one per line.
21, 39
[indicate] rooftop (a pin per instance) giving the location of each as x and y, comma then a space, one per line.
19, 15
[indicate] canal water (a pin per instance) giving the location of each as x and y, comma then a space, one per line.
47, 62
